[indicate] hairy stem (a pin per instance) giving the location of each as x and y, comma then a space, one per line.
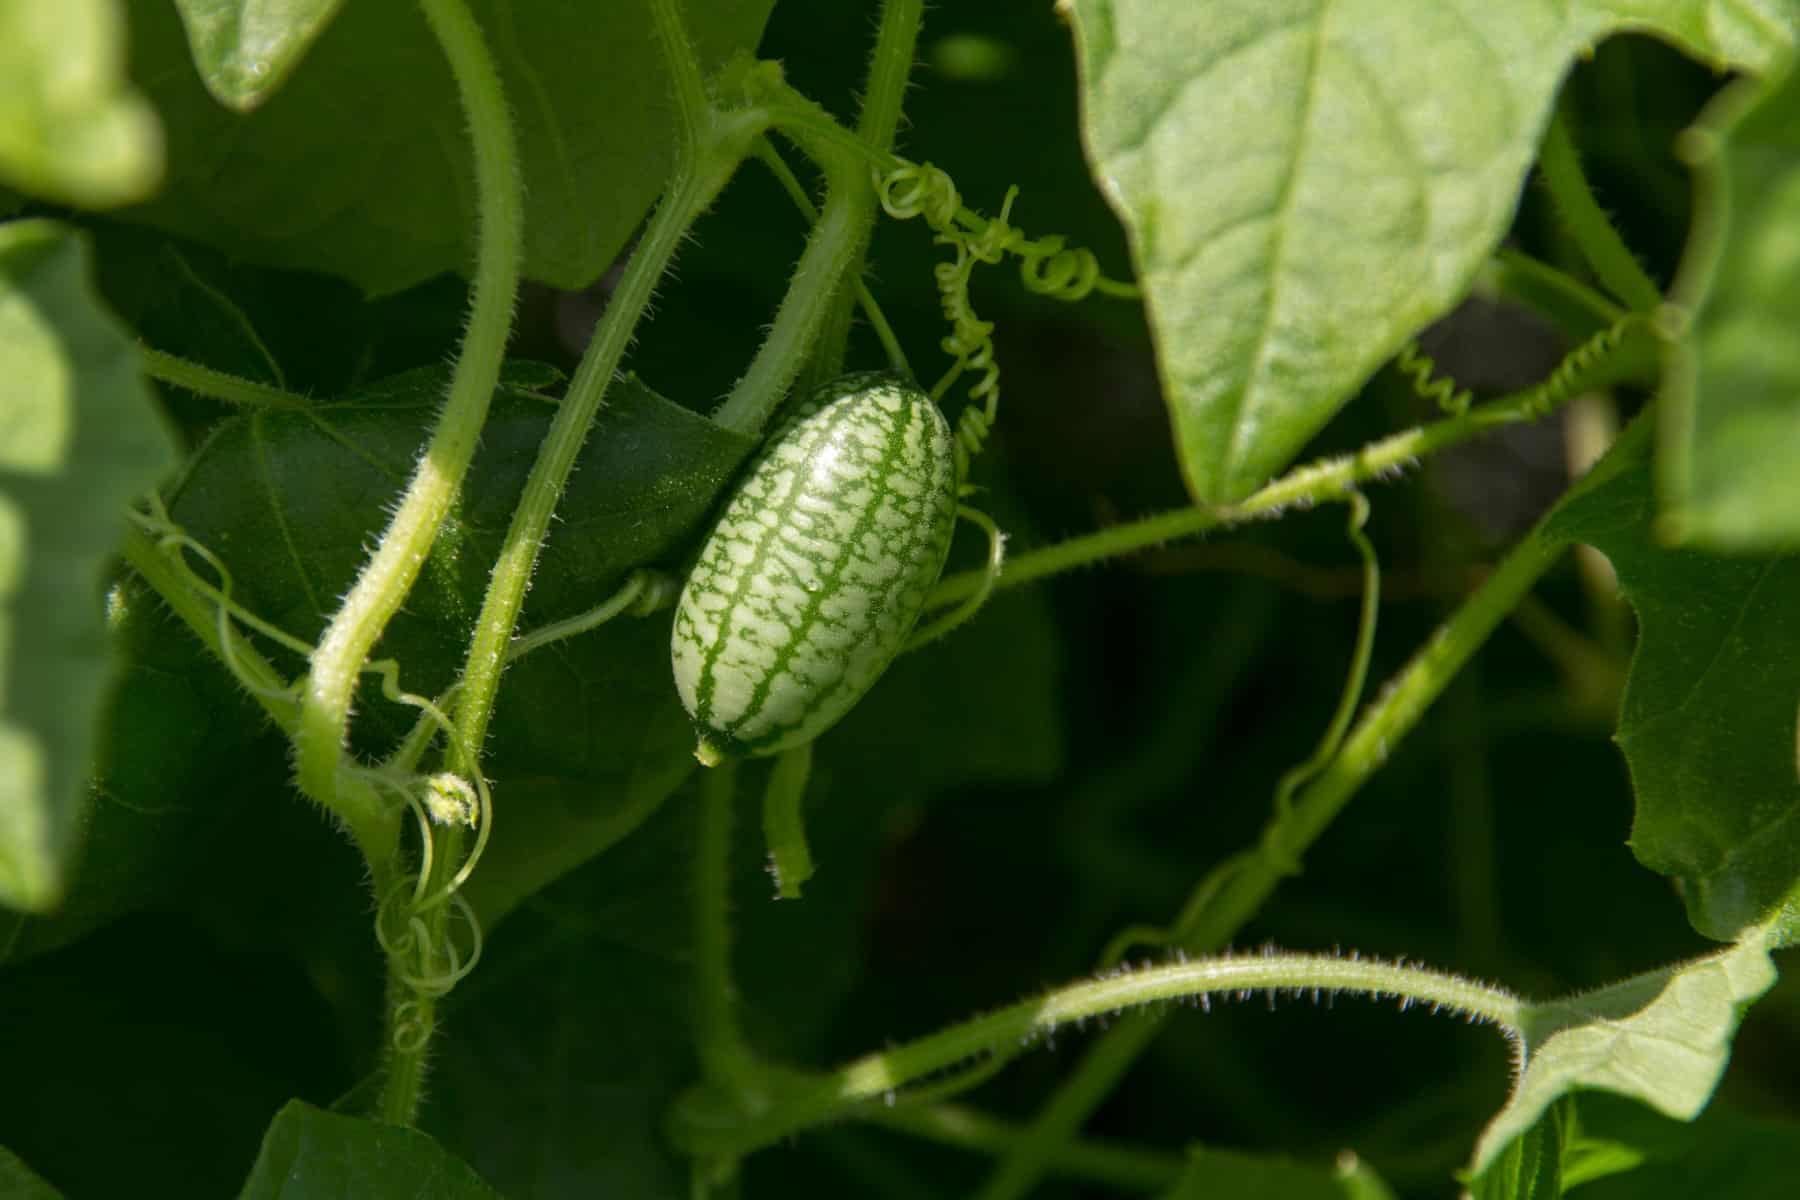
883, 96
1617, 268
706, 151
876, 1077
1234, 893
384, 582
1317, 483
388, 576
215, 385
724, 1054
818, 277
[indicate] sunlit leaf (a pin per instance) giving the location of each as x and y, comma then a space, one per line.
1662, 1038
78, 439
71, 129
245, 49
1308, 183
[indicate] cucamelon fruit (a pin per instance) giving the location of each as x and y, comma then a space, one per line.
814, 575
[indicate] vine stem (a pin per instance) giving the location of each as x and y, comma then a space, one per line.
385, 581
1317, 483
389, 574
215, 385
1613, 262
1235, 891
707, 149
830, 249
877, 122
880, 1076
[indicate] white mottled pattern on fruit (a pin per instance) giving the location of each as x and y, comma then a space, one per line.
817, 570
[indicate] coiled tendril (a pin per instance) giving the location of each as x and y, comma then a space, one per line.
1559, 385
1047, 267
1428, 384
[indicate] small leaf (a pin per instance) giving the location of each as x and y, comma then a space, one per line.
1732, 394
245, 49
1662, 1037
1242, 1176
20, 1182
1531, 1165
359, 165
70, 128
78, 439
310, 1153
1242, 143
1707, 721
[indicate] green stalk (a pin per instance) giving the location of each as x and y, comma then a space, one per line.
1613, 262
1241, 887
388, 576
385, 581
215, 385
706, 151
1317, 483
880, 1076
883, 96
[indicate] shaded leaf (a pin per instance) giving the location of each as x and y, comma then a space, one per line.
245, 49
359, 166
1242, 1176
311, 1153
161, 1041
1707, 720
1662, 1037
1721, 1154
19, 1182
1732, 393
1307, 184
78, 439
1531, 1165
71, 129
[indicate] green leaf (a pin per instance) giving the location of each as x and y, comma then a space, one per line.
1662, 1037
1707, 720
1531, 1165
311, 1153
245, 49
1306, 184
1721, 1154
1732, 391
19, 1182
78, 439
1242, 1176
71, 130
359, 166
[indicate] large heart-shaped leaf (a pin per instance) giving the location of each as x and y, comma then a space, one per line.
1307, 183
360, 167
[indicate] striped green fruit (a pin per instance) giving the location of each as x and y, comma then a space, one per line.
818, 568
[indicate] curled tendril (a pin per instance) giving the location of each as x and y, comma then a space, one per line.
1047, 267
422, 965
1428, 384
1567, 378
